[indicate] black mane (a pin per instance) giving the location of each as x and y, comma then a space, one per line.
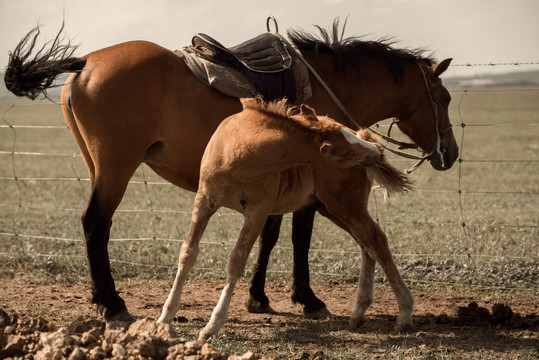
350, 51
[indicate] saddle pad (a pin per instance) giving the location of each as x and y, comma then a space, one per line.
227, 80
241, 82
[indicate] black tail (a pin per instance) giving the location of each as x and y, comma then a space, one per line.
30, 77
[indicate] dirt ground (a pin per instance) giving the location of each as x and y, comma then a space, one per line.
497, 322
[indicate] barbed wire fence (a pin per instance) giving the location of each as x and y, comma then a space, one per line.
152, 210
492, 64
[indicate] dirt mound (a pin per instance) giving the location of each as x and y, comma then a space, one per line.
502, 316
87, 338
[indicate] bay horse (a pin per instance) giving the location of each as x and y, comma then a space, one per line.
137, 102
268, 159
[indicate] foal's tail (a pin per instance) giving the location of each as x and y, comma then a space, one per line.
386, 175
30, 77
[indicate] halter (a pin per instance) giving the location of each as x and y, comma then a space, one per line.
402, 145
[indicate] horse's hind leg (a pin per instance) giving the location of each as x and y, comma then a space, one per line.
302, 227
202, 212
96, 221
108, 186
258, 302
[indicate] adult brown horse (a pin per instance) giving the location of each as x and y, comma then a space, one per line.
137, 102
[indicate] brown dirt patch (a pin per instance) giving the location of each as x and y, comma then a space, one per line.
445, 318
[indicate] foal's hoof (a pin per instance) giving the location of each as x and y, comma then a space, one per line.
205, 334
257, 307
319, 314
403, 327
357, 322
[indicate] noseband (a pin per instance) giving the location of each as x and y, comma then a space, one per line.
439, 133
402, 145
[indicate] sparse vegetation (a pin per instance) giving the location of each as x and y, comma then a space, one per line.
496, 249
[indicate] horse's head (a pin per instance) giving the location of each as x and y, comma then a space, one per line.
339, 144
427, 122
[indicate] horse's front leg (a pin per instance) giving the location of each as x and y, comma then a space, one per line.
302, 227
258, 302
252, 226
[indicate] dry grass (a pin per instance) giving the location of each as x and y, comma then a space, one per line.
496, 249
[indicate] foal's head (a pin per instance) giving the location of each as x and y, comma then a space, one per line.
339, 144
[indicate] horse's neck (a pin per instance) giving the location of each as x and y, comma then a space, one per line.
368, 96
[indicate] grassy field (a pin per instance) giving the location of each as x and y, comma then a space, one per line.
496, 248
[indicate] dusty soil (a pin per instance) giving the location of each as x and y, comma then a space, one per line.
443, 318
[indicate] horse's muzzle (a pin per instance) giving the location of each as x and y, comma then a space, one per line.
450, 154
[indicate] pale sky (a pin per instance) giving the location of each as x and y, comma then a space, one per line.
469, 31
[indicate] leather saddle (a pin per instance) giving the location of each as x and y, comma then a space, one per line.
263, 54
259, 67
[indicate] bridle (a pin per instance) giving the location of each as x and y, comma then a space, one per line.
439, 132
402, 145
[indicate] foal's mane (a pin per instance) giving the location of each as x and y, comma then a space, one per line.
284, 113
351, 50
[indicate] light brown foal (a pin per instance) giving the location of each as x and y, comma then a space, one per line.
267, 160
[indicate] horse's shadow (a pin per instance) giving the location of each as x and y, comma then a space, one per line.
430, 331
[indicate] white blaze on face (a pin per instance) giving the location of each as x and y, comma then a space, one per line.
354, 139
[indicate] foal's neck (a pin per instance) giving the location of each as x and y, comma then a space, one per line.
298, 142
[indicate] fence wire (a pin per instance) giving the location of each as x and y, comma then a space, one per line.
21, 183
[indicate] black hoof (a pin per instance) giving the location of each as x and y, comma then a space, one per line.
119, 315
258, 307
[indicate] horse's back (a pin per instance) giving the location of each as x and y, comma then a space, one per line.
125, 70
138, 102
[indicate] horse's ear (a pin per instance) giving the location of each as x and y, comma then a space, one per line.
441, 67
308, 112
326, 149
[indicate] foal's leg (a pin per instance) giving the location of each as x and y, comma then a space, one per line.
365, 290
258, 302
374, 242
202, 212
302, 228
350, 212
253, 224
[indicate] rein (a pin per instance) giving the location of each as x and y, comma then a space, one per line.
402, 145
